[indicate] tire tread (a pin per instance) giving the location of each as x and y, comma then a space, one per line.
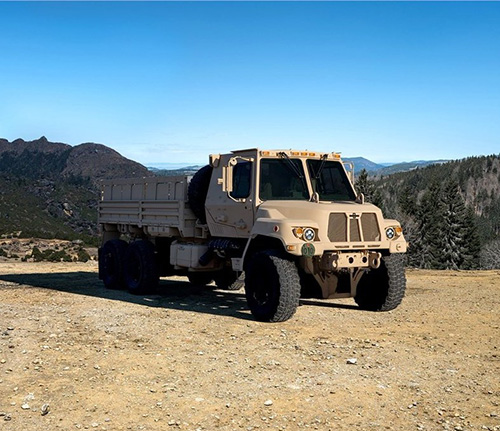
383, 289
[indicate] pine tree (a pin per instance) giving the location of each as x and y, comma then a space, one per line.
461, 245
367, 187
363, 185
430, 215
472, 254
448, 236
453, 226
407, 201
406, 213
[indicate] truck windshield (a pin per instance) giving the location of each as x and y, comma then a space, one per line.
330, 181
282, 179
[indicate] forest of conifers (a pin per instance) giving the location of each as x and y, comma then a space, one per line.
450, 212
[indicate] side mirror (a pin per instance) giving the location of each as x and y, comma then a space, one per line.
360, 199
349, 167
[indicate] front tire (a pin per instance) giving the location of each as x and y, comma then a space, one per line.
272, 286
383, 289
141, 270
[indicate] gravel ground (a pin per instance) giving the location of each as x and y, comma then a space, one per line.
74, 355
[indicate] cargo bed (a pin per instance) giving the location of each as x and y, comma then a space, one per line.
156, 204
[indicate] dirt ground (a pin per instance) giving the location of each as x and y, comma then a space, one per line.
74, 355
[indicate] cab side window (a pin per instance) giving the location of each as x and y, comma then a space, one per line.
242, 180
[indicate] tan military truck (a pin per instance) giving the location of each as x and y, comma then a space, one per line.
289, 220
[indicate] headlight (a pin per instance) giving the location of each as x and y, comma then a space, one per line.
393, 232
309, 234
305, 233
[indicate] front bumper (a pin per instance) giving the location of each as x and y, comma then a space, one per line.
334, 256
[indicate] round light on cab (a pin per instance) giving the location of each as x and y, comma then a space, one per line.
309, 234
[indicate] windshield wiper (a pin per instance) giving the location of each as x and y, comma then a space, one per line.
321, 166
295, 169
315, 197
292, 165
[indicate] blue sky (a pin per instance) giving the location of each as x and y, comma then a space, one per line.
173, 82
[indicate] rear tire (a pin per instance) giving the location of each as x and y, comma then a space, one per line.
141, 270
272, 286
383, 289
111, 263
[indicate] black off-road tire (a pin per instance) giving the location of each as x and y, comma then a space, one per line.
200, 278
272, 286
197, 192
383, 289
111, 263
141, 269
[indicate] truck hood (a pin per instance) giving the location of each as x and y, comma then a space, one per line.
312, 211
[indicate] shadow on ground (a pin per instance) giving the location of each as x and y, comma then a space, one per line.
171, 294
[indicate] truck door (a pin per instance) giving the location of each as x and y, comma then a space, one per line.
230, 212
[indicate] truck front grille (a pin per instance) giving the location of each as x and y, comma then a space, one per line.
337, 227
353, 227
371, 231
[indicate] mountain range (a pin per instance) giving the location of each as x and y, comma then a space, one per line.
54, 160
360, 163
51, 189
379, 170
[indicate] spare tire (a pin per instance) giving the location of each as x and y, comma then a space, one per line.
197, 192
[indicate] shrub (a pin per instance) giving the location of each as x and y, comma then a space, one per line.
83, 256
50, 255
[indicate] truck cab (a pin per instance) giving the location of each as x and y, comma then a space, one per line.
301, 207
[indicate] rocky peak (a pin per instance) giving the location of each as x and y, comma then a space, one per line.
38, 145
